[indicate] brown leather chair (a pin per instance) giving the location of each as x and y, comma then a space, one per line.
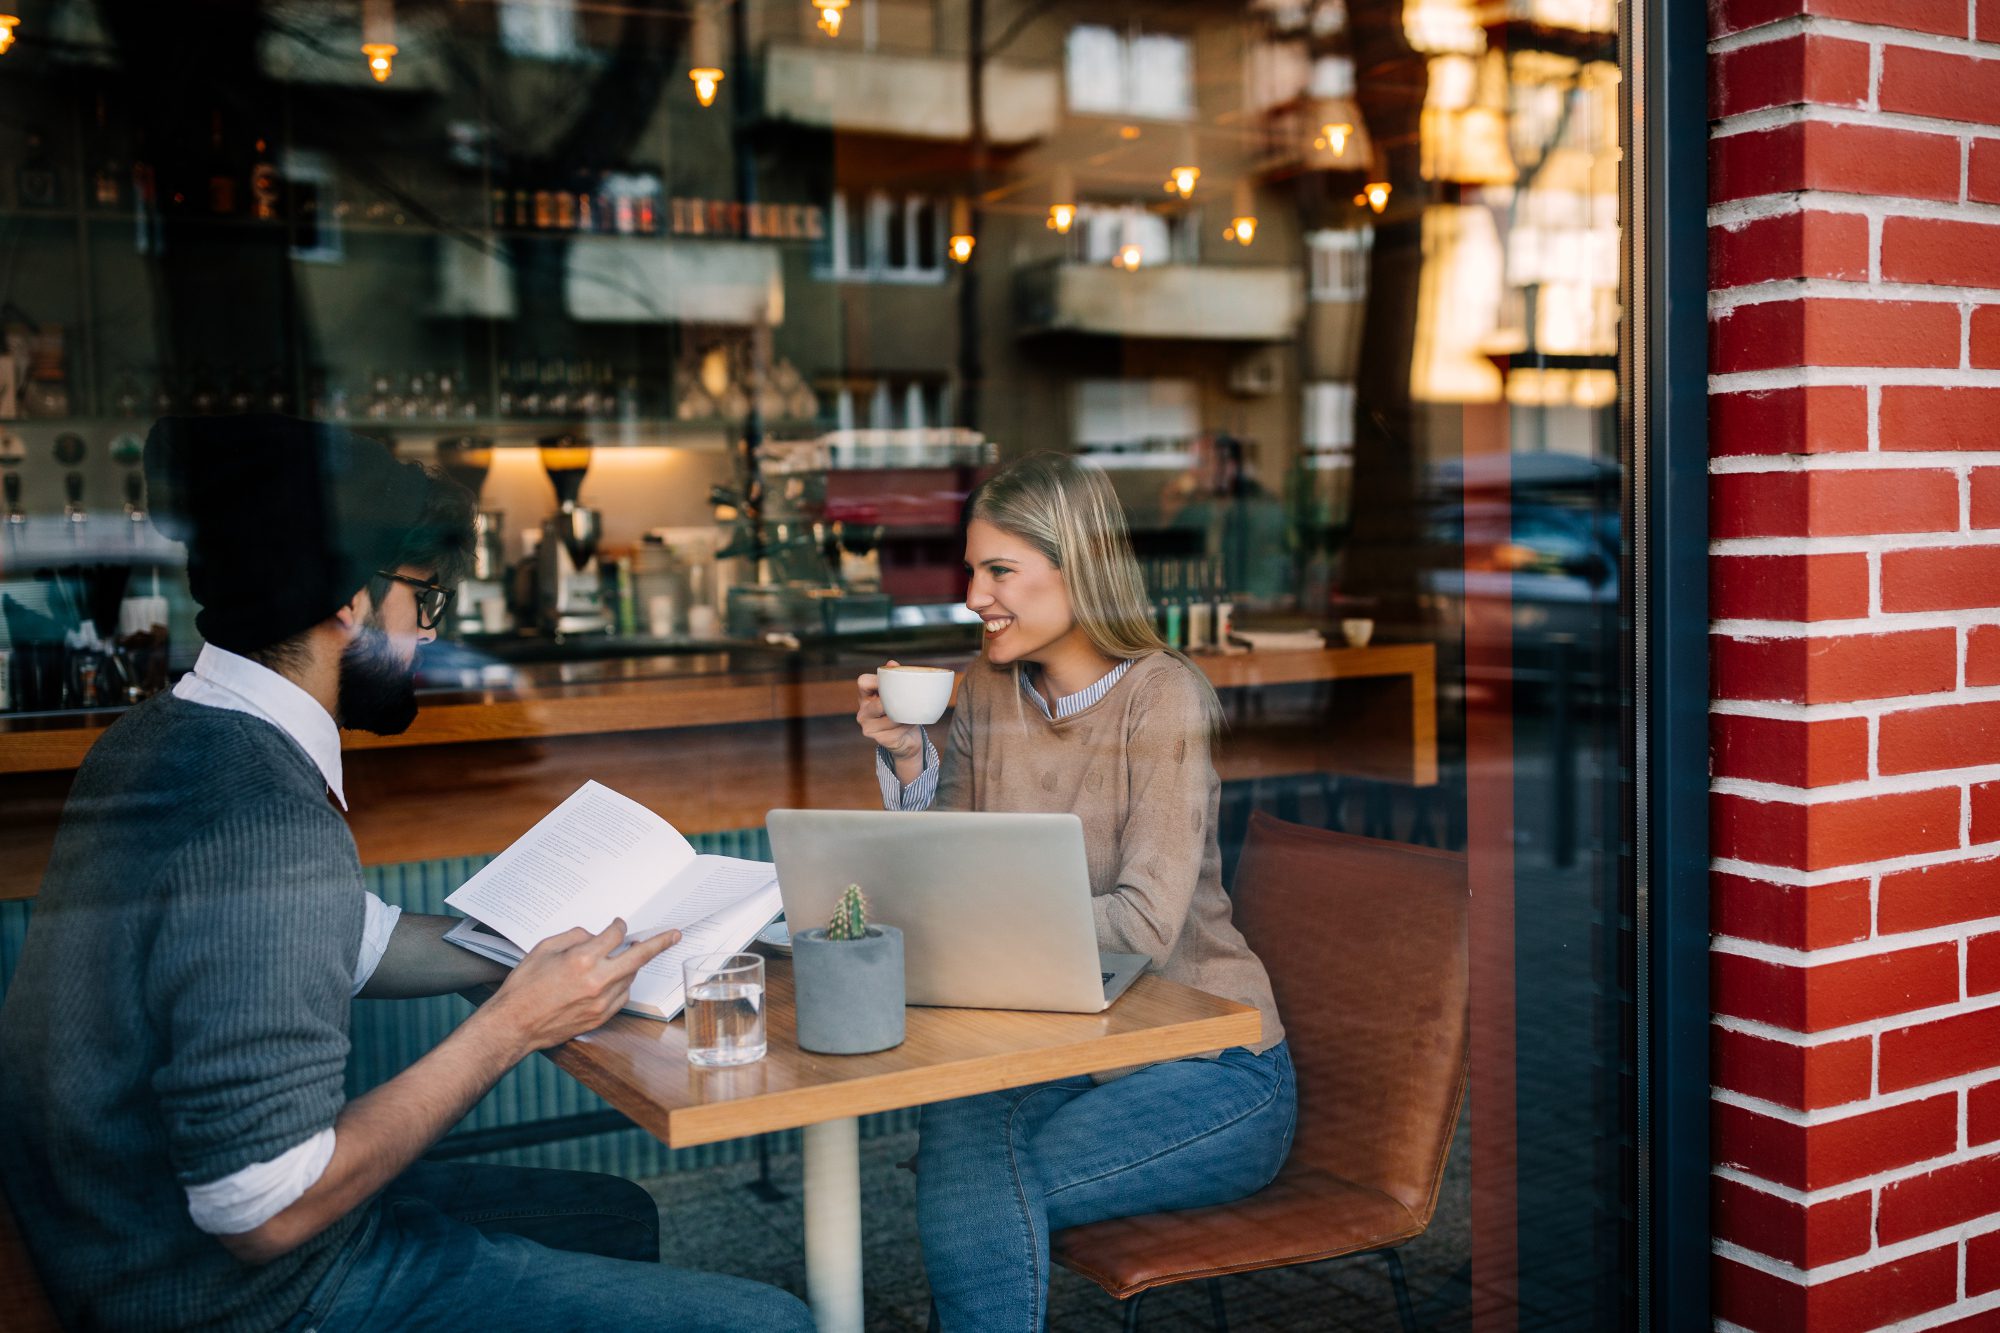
1365, 942
21, 1295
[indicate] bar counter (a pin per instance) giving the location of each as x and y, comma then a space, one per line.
714, 740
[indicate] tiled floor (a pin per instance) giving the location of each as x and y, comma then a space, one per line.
711, 1219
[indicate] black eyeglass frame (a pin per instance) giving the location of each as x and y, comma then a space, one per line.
433, 599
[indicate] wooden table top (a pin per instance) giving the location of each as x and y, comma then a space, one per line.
640, 1066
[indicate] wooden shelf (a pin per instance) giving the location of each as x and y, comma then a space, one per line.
543, 706
715, 749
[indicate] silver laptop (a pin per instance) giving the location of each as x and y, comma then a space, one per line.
994, 908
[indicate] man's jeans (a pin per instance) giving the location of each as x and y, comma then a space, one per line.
489, 1249
998, 1172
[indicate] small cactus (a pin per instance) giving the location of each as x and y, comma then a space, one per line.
850, 916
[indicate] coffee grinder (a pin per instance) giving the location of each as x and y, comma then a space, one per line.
481, 604
570, 582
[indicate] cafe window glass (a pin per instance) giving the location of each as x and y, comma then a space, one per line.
1144, 74
1327, 291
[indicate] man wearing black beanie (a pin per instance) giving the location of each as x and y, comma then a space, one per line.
173, 1045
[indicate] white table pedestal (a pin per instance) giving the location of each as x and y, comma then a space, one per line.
833, 1224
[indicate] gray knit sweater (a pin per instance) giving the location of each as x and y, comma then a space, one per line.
179, 1013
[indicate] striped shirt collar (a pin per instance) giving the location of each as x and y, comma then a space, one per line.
1071, 704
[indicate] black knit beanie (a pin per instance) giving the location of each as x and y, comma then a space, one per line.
284, 520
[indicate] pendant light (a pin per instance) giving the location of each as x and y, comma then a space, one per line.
1242, 228
704, 56
378, 37
8, 22
962, 239
1131, 254
829, 15
1181, 179
1062, 202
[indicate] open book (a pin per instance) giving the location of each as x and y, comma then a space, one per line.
598, 856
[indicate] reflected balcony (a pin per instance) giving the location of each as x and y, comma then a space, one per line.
1208, 302
906, 95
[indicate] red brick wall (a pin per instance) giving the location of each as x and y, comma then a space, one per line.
1854, 249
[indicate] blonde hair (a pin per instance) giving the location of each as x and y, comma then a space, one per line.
1069, 512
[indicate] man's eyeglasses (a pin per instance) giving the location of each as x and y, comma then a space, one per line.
432, 598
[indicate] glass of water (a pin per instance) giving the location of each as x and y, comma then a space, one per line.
725, 1009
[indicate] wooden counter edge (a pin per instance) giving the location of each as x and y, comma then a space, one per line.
715, 1122
676, 705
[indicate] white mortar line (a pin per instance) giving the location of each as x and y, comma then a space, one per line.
1738, 213
1855, 377
1812, 879
1895, 784
1782, 290
1855, 544
1834, 1193
1870, 1027
1814, 113
1960, 461
1879, 946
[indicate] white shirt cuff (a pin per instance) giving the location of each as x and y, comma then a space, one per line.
256, 1194
921, 792
376, 929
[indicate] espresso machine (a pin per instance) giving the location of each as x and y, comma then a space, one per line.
569, 581
481, 604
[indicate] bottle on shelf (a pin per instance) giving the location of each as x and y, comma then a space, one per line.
222, 184
555, 388
37, 181
1200, 610
266, 187
109, 178
1173, 610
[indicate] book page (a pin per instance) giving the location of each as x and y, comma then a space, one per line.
596, 856
657, 989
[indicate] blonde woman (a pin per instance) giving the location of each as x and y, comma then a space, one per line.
1077, 705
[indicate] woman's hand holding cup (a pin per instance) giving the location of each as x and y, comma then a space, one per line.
904, 742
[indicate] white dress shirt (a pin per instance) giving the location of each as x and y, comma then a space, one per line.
222, 679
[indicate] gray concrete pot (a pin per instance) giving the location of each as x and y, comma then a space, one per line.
850, 992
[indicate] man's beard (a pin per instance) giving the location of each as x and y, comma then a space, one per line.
378, 693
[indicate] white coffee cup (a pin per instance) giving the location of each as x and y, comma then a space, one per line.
915, 696
493, 615
1357, 632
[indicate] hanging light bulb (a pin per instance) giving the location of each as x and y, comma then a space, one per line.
1375, 195
378, 37
704, 56
1181, 179
1333, 137
962, 239
8, 22
1131, 250
1242, 228
829, 15
1062, 203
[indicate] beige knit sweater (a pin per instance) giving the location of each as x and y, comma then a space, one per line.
1135, 768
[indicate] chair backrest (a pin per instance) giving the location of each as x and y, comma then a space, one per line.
21, 1293
1366, 944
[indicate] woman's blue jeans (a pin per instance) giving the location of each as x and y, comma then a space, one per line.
998, 1172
